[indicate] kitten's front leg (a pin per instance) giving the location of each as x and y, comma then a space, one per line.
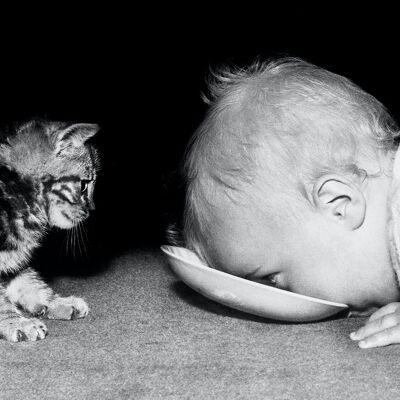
28, 291
16, 328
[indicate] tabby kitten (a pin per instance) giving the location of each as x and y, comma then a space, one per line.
47, 177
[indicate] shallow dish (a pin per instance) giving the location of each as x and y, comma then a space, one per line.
244, 295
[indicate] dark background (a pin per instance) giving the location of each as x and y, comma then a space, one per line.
140, 77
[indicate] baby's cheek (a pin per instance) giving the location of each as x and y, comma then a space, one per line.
313, 286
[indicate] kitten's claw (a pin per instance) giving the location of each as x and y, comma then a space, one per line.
21, 336
67, 308
19, 329
41, 313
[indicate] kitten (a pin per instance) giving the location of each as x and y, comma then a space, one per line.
47, 177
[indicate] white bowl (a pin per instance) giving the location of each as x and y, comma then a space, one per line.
242, 294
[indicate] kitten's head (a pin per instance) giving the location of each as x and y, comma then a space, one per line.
58, 156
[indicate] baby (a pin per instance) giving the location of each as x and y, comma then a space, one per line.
291, 179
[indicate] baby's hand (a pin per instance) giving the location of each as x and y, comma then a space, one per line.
381, 329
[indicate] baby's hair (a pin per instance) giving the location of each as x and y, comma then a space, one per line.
279, 125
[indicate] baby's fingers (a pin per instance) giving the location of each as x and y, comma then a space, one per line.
378, 325
382, 338
388, 309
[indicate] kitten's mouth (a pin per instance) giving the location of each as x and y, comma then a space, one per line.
64, 220
77, 219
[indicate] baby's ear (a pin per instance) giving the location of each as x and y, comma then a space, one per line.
340, 200
74, 136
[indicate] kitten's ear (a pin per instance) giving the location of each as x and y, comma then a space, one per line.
74, 135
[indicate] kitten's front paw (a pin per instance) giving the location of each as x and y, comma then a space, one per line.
67, 308
19, 329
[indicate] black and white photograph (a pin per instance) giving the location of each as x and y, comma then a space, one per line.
199, 207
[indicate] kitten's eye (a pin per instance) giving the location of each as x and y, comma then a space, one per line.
84, 185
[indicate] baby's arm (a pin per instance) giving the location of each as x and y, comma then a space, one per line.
381, 329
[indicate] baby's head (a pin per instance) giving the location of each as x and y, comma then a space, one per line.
288, 180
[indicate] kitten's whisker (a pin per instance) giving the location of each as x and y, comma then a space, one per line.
70, 240
81, 230
85, 231
66, 242
73, 242
77, 246
82, 240
78, 232
78, 238
85, 238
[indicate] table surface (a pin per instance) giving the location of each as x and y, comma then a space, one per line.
148, 336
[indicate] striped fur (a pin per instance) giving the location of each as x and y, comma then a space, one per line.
47, 178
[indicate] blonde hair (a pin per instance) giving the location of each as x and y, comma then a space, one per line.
274, 123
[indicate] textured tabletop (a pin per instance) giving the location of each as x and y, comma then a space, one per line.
148, 336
